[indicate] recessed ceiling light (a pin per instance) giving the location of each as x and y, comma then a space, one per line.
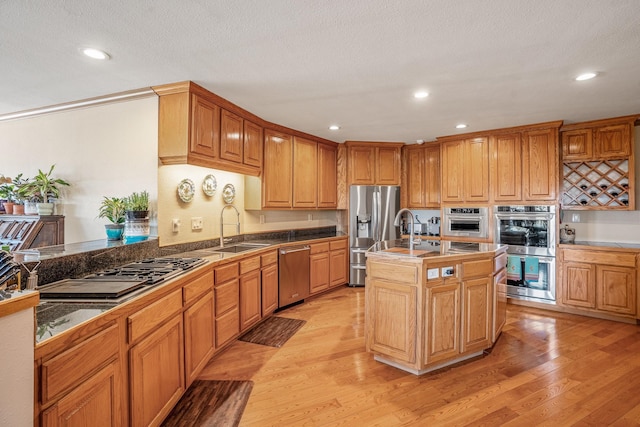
461, 126
334, 127
421, 94
586, 76
95, 53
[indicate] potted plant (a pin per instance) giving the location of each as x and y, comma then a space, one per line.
7, 193
136, 225
42, 188
113, 208
21, 195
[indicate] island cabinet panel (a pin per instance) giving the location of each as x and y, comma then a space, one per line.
156, 373
199, 336
277, 170
506, 167
327, 176
393, 332
305, 167
499, 296
477, 315
540, 165
96, 402
443, 322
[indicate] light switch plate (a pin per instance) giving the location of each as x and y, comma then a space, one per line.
175, 223
432, 273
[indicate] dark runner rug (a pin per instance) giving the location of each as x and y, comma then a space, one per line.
274, 332
211, 403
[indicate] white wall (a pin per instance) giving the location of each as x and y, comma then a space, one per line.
610, 226
104, 150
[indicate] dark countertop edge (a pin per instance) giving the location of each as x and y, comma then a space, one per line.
494, 248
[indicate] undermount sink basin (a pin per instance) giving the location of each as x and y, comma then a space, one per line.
241, 247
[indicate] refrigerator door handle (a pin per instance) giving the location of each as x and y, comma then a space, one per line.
375, 216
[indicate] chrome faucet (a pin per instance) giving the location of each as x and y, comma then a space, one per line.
396, 222
222, 224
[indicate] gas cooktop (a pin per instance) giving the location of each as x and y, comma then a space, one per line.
151, 271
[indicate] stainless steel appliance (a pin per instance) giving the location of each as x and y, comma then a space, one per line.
293, 272
372, 211
119, 283
530, 232
465, 222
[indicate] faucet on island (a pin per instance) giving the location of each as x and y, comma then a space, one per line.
396, 222
222, 224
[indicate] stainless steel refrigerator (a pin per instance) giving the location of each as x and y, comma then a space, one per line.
372, 209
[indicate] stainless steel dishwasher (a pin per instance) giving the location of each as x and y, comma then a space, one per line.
293, 272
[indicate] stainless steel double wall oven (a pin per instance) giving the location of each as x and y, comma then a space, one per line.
530, 232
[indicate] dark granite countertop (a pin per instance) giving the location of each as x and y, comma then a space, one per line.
603, 244
430, 248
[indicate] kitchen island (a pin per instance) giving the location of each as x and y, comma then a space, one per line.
434, 305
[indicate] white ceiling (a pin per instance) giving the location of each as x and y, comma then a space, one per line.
307, 64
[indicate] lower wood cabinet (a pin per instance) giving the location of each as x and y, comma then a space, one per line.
442, 322
477, 319
338, 263
199, 336
600, 281
269, 286
250, 306
328, 265
156, 373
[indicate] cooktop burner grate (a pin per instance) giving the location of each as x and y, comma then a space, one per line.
151, 271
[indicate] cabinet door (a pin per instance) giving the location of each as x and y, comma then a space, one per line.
318, 272
393, 329
540, 165
577, 144
616, 289
327, 176
387, 166
250, 306
231, 138
443, 322
506, 167
452, 172
476, 318
96, 402
269, 289
205, 127
252, 150
361, 165
416, 178
199, 336
157, 373
432, 176
612, 141
305, 169
277, 170
578, 283
499, 303
227, 297
338, 267
476, 170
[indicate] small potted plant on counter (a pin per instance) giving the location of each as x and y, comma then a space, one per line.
42, 188
113, 208
7, 194
136, 225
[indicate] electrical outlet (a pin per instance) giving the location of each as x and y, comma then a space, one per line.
196, 223
175, 223
575, 217
261, 219
310, 217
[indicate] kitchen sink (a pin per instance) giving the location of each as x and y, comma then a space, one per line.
241, 247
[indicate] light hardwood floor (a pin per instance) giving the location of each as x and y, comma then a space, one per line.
547, 369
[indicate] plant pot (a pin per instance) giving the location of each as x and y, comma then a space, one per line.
18, 209
114, 231
8, 207
136, 230
136, 215
44, 208
30, 208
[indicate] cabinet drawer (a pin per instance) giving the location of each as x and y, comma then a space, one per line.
150, 317
319, 247
227, 296
621, 259
65, 371
500, 262
477, 268
393, 272
338, 244
249, 264
198, 286
269, 258
226, 272
227, 327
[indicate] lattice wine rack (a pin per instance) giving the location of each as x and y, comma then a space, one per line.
598, 184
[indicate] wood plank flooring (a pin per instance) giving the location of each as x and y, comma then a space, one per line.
547, 369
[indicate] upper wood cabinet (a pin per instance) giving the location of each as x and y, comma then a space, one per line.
231, 137
374, 163
598, 139
327, 176
422, 186
252, 149
506, 167
465, 170
540, 165
305, 167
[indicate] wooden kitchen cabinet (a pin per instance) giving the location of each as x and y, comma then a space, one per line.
199, 335
598, 139
231, 137
338, 263
277, 170
205, 127
465, 170
31, 231
157, 373
477, 311
506, 167
374, 163
318, 267
269, 282
305, 167
422, 185
540, 165
442, 322
250, 304
327, 176
600, 281
226, 292
499, 296
252, 147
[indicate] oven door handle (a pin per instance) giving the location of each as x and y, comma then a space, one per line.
541, 259
516, 216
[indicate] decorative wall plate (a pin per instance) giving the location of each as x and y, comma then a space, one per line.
186, 190
228, 193
209, 185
